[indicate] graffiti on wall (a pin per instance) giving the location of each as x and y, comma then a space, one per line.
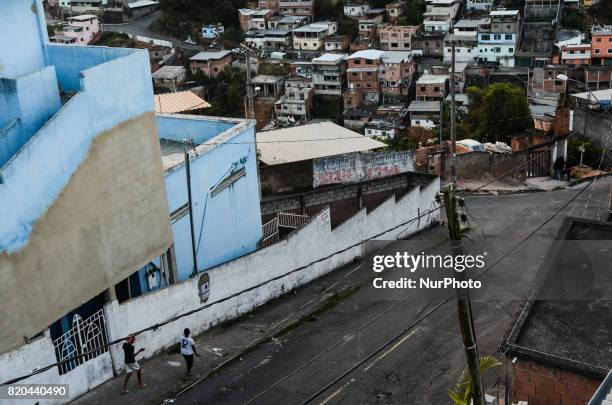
354, 167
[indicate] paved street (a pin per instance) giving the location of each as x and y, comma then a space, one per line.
423, 364
141, 27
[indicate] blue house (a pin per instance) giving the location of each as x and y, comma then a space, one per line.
212, 31
225, 196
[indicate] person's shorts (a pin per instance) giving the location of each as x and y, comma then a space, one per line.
131, 367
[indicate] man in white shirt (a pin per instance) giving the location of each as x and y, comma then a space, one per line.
188, 349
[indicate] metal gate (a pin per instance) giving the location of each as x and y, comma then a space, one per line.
77, 345
538, 163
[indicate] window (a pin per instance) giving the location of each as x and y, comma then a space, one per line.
215, 69
369, 73
609, 51
418, 122
508, 36
393, 44
497, 37
357, 61
511, 50
485, 37
596, 50
597, 39
369, 61
436, 89
423, 88
582, 52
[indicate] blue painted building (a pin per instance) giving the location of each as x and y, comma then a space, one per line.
225, 196
78, 150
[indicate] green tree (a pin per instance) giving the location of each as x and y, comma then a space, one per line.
413, 13
496, 111
592, 154
348, 26
328, 9
463, 392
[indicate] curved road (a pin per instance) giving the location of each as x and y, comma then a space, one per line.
141, 27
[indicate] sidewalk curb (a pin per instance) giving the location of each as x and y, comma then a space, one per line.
319, 307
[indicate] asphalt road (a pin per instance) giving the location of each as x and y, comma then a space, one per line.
141, 27
424, 362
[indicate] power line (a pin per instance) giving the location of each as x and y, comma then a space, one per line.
416, 322
203, 307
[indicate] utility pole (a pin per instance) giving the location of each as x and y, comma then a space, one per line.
453, 118
464, 306
190, 205
441, 121
248, 52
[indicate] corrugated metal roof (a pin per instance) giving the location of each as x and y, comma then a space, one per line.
178, 102
309, 142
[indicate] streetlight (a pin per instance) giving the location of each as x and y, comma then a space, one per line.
566, 78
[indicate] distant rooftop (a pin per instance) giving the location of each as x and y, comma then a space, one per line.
465, 23
504, 12
205, 56
309, 142
168, 72
601, 30
396, 56
372, 54
253, 12
311, 28
424, 106
432, 79
329, 58
142, 3
82, 17
267, 79
180, 101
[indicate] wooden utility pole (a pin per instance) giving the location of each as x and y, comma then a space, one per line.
464, 306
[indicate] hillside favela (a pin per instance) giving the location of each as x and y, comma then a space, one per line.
326, 202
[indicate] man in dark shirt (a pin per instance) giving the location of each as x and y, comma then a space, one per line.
129, 353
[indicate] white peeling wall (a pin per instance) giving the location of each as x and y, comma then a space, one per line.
40, 353
310, 243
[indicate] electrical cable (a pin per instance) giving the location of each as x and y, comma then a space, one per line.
203, 307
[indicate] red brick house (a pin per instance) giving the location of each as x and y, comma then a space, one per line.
560, 342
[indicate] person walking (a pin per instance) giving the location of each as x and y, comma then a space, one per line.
129, 353
559, 167
188, 349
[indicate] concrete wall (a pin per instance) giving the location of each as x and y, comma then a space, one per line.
354, 167
32, 99
41, 352
477, 165
344, 200
216, 218
109, 220
315, 240
23, 34
80, 195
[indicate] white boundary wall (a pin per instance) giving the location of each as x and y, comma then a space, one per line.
313, 241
